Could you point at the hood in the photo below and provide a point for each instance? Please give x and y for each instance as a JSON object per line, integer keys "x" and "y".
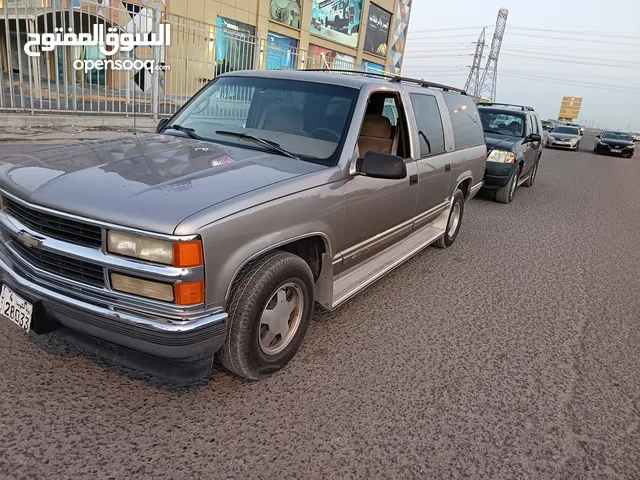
{"x": 612, "y": 142}
{"x": 501, "y": 142}
{"x": 151, "y": 182}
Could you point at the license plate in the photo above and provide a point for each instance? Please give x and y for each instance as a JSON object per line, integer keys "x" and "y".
{"x": 615, "y": 150}
{"x": 15, "y": 308}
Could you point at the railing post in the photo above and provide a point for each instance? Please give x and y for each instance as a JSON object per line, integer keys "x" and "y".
{"x": 74, "y": 93}
{"x": 257, "y": 51}
{"x": 155, "y": 75}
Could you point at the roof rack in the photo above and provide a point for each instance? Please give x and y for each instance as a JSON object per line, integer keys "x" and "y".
{"x": 393, "y": 79}
{"x": 521, "y": 107}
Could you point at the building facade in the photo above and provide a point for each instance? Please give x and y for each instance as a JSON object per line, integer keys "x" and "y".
{"x": 208, "y": 37}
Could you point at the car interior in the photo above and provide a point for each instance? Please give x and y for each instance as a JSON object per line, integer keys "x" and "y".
{"x": 383, "y": 131}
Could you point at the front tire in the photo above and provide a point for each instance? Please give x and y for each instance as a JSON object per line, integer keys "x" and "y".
{"x": 505, "y": 194}
{"x": 454, "y": 223}
{"x": 270, "y": 308}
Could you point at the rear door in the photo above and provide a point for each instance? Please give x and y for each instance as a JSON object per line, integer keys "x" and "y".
{"x": 434, "y": 162}
{"x": 530, "y": 147}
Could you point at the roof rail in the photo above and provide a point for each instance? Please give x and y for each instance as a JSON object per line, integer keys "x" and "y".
{"x": 392, "y": 78}
{"x": 521, "y": 107}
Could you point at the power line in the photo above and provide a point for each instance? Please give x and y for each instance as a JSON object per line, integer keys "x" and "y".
{"x": 558, "y": 60}
{"x": 570, "y": 57}
{"x": 604, "y": 86}
{"x": 571, "y": 75}
{"x": 576, "y": 81}
{"x": 569, "y": 49}
{"x": 581, "y": 40}
{"x": 579, "y": 32}
{"x": 427, "y": 30}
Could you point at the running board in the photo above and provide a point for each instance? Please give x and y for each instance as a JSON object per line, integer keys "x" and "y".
{"x": 353, "y": 281}
{"x": 522, "y": 180}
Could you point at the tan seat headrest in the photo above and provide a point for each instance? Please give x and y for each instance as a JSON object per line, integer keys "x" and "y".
{"x": 376, "y": 126}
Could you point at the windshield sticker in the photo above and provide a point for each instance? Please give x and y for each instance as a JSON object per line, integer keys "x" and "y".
{"x": 222, "y": 161}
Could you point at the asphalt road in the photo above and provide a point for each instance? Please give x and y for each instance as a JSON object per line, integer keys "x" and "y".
{"x": 514, "y": 354}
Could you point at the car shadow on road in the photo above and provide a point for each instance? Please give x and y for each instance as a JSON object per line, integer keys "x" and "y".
{"x": 65, "y": 343}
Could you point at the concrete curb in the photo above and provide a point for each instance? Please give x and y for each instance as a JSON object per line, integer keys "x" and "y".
{"x": 86, "y": 121}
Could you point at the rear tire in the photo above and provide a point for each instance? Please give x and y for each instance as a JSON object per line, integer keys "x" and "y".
{"x": 532, "y": 178}
{"x": 505, "y": 194}
{"x": 270, "y": 308}
{"x": 454, "y": 223}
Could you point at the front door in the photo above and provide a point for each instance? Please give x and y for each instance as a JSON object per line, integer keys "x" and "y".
{"x": 379, "y": 212}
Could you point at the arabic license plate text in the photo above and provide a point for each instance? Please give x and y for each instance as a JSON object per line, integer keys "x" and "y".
{"x": 15, "y": 308}
{"x": 615, "y": 150}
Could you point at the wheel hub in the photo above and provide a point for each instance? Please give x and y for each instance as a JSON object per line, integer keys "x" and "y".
{"x": 281, "y": 318}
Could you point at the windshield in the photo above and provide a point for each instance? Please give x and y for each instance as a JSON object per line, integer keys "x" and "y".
{"x": 567, "y": 130}
{"x": 309, "y": 120}
{"x": 502, "y": 123}
{"x": 617, "y": 136}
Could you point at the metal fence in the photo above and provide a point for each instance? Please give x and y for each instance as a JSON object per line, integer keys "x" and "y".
{"x": 68, "y": 77}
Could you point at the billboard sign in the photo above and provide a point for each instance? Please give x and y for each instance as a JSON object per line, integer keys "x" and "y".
{"x": 372, "y": 67}
{"x": 288, "y": 12}
{"x": 337, "y": 20}
{"x": 320, "y": 57}
{"x": 282, "y": 52}
{"x": 570, "y": 108}
{"x": 235, "y": 45}
{"x": 377, "y": 32}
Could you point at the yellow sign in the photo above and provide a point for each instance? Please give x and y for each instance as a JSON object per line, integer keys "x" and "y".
{"x": 570, "y": 108}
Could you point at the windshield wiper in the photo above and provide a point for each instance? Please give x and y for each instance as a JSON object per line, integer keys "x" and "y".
{"x": 493, "y": 131}
{"x": 189, "y": 132}
{"x": 273, "y": 146}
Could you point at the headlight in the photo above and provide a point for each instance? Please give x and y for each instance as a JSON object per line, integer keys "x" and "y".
{"x": 179, "y": 254}
{"x": 573, "y": 140}
{"x": 501, "y": 156}
{"x": 551, "y": 137}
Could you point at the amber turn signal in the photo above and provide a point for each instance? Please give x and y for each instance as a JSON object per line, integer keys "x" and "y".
{"x": 188, "y": 254}
{"x": 189, "y": 293}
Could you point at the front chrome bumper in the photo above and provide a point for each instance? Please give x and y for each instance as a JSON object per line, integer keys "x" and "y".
{"x": 183, "y": 341}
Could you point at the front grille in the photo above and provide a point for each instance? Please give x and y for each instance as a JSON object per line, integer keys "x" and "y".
{"x": 56, "y": 227}
{"x": 66, "y": 267}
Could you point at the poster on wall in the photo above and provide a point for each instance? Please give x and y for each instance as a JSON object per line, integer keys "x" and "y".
{"x": 281, "y": 52}
{"x": 235, "y": 45}
{"x": 320, "y": 57}
{"x": 372, "y": 67}
{"x": 337, "y": 20}
{"x": 288, "y": 12}
{"x": 377, "y": 32}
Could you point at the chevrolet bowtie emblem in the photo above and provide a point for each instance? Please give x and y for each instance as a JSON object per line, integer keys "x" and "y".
{"x": 29, "y": 240}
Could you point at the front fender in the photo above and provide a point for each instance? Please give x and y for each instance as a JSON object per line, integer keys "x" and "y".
{"x": 231, "y": 242}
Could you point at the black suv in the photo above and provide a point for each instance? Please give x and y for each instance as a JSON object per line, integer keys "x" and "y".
{"x": 513, "y": 134}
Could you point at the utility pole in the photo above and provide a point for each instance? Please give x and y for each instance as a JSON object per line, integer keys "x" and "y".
{"x": 473, "y": 82}
{"x": 490, "y": 76}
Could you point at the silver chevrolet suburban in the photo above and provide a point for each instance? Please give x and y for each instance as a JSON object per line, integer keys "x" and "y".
{"x": 267, "y": 192}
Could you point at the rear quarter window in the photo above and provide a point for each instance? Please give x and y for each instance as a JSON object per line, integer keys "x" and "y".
{"x": 465, "y": 120}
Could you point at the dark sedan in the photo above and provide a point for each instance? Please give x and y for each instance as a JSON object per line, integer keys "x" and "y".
{"x": 615, "y": 143}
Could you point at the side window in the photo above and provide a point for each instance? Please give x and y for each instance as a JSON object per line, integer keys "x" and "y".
{"x": 429, "y": 124}
{"x": 467, "y": 127}
{"x": 378, "y": 133}
{"x": 390, "y": 111}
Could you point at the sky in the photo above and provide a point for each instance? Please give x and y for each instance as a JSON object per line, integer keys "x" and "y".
{"x": 592, "y": 51}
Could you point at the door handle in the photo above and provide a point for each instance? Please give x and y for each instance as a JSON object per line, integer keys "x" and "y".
{"x": 447, "y": 167}
{"x": 413, "y": 180}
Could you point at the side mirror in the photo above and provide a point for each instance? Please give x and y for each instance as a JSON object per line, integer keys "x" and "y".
{"x": 161, "y": 124}
{"x": 382, "y": 165}
{"x": 598, "y": 136}
{"x": 535, "y": 137}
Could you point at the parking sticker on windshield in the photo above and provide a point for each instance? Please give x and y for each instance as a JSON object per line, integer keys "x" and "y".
{"x": 221, "y": 161}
